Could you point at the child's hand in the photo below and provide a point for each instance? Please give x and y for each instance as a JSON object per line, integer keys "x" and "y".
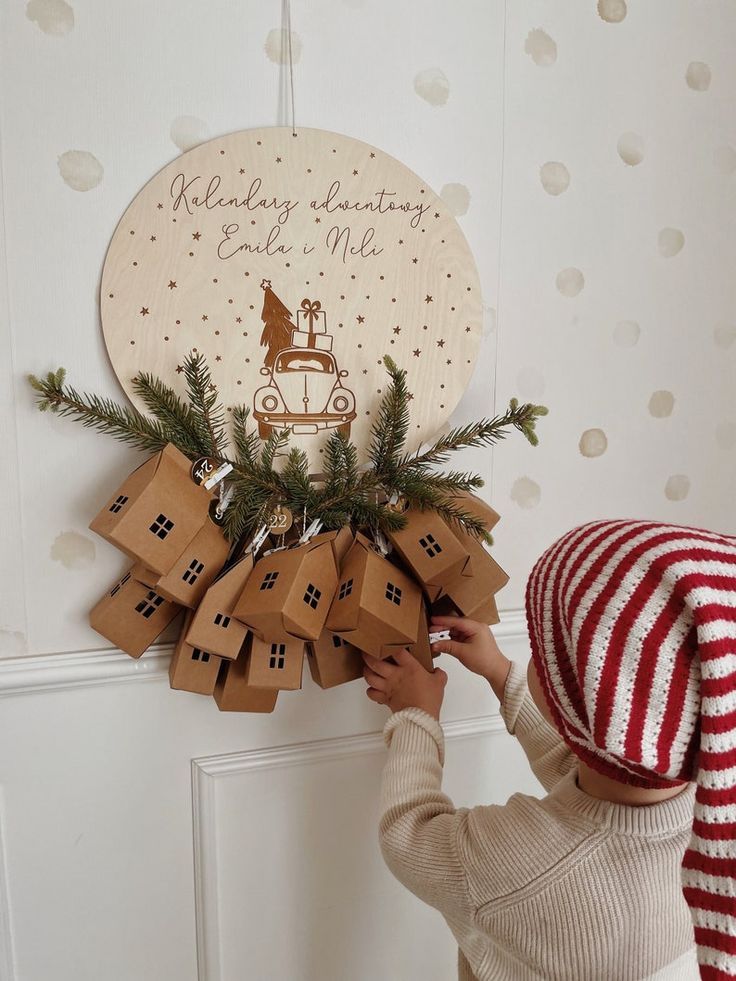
{"x": 405, "y": 684}
{"x": 473, "y": 645}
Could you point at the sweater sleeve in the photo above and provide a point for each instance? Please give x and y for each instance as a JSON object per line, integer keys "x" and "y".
{"x": 547, "y": 752}
{"x": 419, "y": 825}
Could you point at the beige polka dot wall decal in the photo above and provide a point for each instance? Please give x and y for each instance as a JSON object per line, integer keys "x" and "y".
{"x": 593, "y": 442}
{"x": 286, "y": 261}
{"x": 52, "y": 16}
{"x": 541, "y": 48}
{"x": 697, "y": 76}
{"x": 677, "y": 487}
{"x": 555, "y": 177}
{"x": 724, "y": 159}
{"x": 570, "y": 281}
{"x": 626, "y": 333}
{"x": 72, "y": 550}
{"x": 661, "y": 404}
{"x": 457, "y": 198}
{"x": 612, "y": 11}
{"x": 80, "y": 170}
{"x": 630, "y": 148}
{"x": 726, "y": 435}
{"x": 530, "y": 383}
{"x": 526, "y": 492}
{"x": 724, "y": 335}
{"x": 433, "y": 86}
{"x": 277, "y": 46}
{"x": 188, "y": 131}
{"x": 670, "y": 241}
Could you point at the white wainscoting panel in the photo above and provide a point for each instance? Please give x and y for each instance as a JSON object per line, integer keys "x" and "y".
{"x": 290, "y": 883}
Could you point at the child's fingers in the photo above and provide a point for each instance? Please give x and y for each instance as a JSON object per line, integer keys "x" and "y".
{"x": 376, "y": 696}
{"x": 404, "y": 658}
{"x": 452, "y": 647}
{"x": 468, "y": 627}
{"x": 378, "y": 666}
{"x": 375, "y": 681}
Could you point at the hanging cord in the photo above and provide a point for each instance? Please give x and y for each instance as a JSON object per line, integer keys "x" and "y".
{"x": 286, "y": 17}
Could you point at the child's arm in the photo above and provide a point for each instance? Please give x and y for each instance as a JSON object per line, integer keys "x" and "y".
{"x": 548, "y": 755}
{"x": 420, "y": 829}
{"x": 474, "y": 645}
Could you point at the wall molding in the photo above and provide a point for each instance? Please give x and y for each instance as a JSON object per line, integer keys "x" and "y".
{"x": 206, "y": 771}
{"x": 81, "y": 669}
{"x": 7, "y": 956}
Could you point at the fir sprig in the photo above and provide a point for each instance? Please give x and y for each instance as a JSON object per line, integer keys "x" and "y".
{"x": 266, "y": 472}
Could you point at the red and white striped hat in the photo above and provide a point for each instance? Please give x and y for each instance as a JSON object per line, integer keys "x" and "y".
{"x": 633, "y": 634}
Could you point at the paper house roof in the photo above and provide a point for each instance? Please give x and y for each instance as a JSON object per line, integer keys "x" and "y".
{"x": 156, "y": 512}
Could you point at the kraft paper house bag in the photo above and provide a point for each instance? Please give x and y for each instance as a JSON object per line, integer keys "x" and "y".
{"x": 233, "y": 694}
{"x": 274, "y": 664}
{"x": 156, "y": 512}
{"x": 190, "y": 668}
{"x": 333, "y": 661}
{"x": 131, "y": 616}
{"x": 214, "y": 627}
{"x": 429, "y": 548}
{"x": 194, "y": 570}
{"x": 376, "y": 606}
{"x": 422, "y": 650}
{"x": 290, "y": 590}
{"x": 470, "y": 592}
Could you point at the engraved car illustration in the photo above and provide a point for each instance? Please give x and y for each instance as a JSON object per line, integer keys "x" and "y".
{"x": 304, "y": 393}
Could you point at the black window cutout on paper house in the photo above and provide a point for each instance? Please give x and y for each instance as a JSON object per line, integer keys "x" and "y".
{"x": 221, "y": 620}
{"x": 430, "y": 545}
{"x": 161, "y": 526}
{"x": 118, "y": 586}
{"x": 278, "y": 656}
{"x": 346, "y": 589}
{"x": 198, "y": 655}
{"x": 269, "y": 579}
{"x": 119, "y": 503}
{"x": 194, "y": 571}
{"x": 393, "y": 593}
{"x": 337, "y": 641}
{"x": 312, "y": 595}
{"x": 148, "y": 606}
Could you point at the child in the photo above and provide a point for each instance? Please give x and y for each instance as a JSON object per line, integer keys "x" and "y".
{"x": 630, "y": 694}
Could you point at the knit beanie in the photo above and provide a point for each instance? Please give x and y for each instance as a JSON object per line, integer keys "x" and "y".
{"x": 633, "y": 635}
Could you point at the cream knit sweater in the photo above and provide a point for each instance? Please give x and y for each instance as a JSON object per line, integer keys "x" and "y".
{"x": 567, "y": 887}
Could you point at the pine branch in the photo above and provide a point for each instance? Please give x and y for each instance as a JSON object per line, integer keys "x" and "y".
{"x": 247, "y": 442}
{"x": 272, "y": 447}
{"x": 182, "y": 425}
{"x": 203, "y": 398}
{"x": 389, "y": 431}
{"x": 95, "y": 412}
{"x": 294, "y": 476}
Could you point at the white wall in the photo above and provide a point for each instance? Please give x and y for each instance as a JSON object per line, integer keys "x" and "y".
{"x": 97, "y": 815}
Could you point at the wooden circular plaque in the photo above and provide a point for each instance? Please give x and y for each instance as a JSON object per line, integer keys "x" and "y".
{"x": 294, "y": 264}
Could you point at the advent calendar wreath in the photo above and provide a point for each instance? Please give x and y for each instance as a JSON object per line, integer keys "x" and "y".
{"x": 305, "y": 511}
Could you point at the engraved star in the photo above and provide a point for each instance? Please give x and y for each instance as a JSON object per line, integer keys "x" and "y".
{"x": 317, "y": 220}
{"x": 440, "y": 343}
{"x": 278, "y": 160}
{"x": 218, "y": 358}
{"x": 355, "y": 173}
{"x": 153, "y": 238}
{"x": 212, "y": 388}
{"x": 360, "y": 319}
{"x": 242, "y": 170}
{"x": 265, "y": 284}
{"x": 417, "y": 352}
{"x": 401, "y": 241}
{"x": 159, "y": 206}
{"x": 467, "y": 330}
{"x": 365, "y": 371}
{"x": 144, "y": 311}
{"x": 372, "y": 155}
{"x": 196, "y": 236}
{"x": 415, "y": 260}
{"x": 436, "y": 214}
{"x": 238, "y": 320}
{"x": 172, "y": 284}
{"x": 397, "y": 329}
{"x": 428, "y": 298}
{"x": 449, "y": 361}
{"x": 204, "y": 316}
{"x": 179, "y": 369}
{"x": 409, "y": 396}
